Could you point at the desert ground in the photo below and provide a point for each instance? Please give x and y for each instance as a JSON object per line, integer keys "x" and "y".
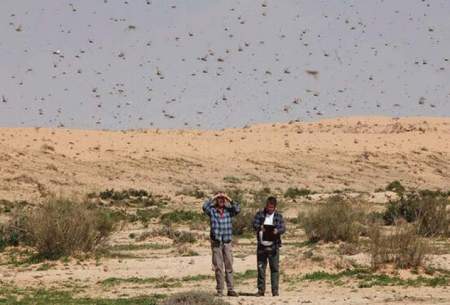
{"x": 356, "y": 157}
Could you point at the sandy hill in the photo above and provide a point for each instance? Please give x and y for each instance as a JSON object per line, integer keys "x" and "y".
{"x": 345, "y": 153}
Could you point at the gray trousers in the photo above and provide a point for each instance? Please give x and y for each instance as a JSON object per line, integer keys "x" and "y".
{"x": 222, "y": 260}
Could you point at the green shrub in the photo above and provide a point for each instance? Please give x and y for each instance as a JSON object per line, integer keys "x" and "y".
{"x": 182, "y": 216}
{"x": 403, "y": 247}
{"x": 333, "y": 220}
{"x": 194, "y": 298}
{"x": 61, "y": 227}
{"x": 294, "y": 192}
{"x": 427, "y": 209}
{"x": 396, "y": 187}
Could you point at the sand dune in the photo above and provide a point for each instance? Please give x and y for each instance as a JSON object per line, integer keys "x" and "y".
{"x": 359, "y": 153}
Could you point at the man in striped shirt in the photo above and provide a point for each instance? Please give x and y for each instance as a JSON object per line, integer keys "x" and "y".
{"x": 221, "y": 209}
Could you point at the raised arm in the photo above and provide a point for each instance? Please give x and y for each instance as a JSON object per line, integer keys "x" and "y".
{"x": 207, "y": 206}
{"x": 234, "y": 208}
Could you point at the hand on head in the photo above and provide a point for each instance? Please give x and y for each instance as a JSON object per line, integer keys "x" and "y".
{"x": 222, "y": 199}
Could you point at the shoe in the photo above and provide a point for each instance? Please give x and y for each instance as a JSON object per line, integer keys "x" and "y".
{"x": 275, "y": 294}
{"x": 260, "y": 294}
{"x": 232, "y": 293}
{"x": 219, "y": 294}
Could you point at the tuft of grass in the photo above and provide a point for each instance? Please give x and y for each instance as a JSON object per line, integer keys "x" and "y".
{"x": 294, "y": 192}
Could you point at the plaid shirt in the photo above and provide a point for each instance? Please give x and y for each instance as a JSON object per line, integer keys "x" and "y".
{"x": 221, "y": 224}
{"x": 278, "y": 222}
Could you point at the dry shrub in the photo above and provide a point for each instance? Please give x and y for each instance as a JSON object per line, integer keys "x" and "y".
{"x": 332, "y": 221}
{"x": 194, "y": 298}
{"x": 61, "y": 227}
{"x": 403, "y": 247}
{"x": 243, "y": 223}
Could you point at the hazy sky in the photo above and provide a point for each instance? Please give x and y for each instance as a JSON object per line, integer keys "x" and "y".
{"x": 214, "y": 64}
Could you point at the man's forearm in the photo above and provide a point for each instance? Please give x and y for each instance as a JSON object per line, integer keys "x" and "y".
{"x": 207, "y": 206}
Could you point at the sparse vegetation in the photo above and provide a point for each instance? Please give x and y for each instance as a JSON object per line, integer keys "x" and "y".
{"x": 366, "y": 278}
{"x": 129, "y": 198}
{"x": 194, "y": 298}
{"x": 192, "y": 192}
{"x": 20, "y": 296}
{"x": 232, "y": 179}
{"x": 334, "y": 220}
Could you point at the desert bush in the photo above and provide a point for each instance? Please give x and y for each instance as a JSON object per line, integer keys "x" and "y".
{"x": 182, "y": 216}
{"x": 334, "y": 220}
{"x": 294, "y": 192}
{"x": 403, "y": 247}
{"x": 427, "y": 209}
{"x": 61, "y": 227}
{"x": 193, "y": 298}
{"x": 396, "y": 187}
{"x": 243, "y": 222}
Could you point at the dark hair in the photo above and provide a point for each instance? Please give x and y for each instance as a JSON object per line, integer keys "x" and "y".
{"x": 272, "y": 200}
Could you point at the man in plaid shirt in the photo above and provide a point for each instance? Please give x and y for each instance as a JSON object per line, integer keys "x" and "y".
{"x": 221, "y": 209}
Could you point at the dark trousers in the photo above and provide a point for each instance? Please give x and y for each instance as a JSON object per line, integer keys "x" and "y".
{"x": 271, "y": 255}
